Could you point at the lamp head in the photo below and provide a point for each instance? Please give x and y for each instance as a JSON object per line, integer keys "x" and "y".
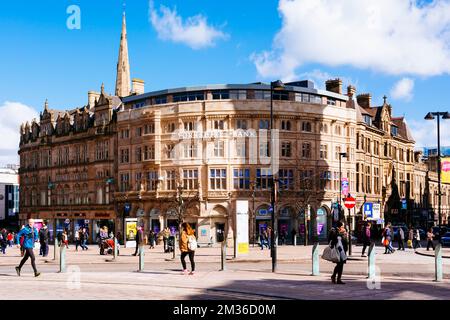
{"x": 446, "y": 115}
{"x": 429, "y": 116}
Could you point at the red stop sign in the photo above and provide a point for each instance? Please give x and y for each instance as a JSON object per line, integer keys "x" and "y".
{"x": 349, "y": 202}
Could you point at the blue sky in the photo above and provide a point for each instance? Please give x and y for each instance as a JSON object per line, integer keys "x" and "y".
{"x": 403, "y": 52}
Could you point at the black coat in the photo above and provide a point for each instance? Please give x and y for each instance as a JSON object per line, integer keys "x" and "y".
{"x": 333, "y": 238}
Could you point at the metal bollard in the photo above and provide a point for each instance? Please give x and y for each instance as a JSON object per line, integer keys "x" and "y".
{"x": 116, "y": 249}
{"x": 438, "y": 263}
{"x": 223, "y": 251}
{"x": 315, "y": 260}
{"x": 62, "y": 260}
{"x": 141, "y": 258}
{"x": 371, "y": 262}
{"x": 55, "y": 250}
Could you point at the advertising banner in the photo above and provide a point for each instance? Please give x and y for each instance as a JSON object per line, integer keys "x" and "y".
{"x": 242, "y": 227}
{"x": 376, "y": 211}
{"x": 445, "y": 170}
{"x": 130, "y": 232}
{"x": 345, "y": 186}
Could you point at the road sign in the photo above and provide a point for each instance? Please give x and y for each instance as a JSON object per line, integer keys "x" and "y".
{"x": 368, "y": 210}
{"x": 404, "y": 204}
{"x": 349, "y": 202}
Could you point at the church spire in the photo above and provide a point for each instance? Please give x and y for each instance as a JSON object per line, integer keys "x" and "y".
{"x": 123, "y": 65}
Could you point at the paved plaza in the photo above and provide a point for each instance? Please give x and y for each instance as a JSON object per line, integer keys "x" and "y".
{"x": 402, "y": 275}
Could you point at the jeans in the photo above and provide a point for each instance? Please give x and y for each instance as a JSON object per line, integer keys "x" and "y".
{"x": 365, "y": 245}
{"x": 401, "y": 244}
{"x": 191, "y": 258}
{"x": 338, "y": 270}
{"x": 44, "y": 249}
{"x": 83, "y": 245}
{"x": 430, "y": 243}
{"x": 28, "y": 254}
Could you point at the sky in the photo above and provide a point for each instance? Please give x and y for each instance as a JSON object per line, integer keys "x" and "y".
{"x": 60, "y": 49}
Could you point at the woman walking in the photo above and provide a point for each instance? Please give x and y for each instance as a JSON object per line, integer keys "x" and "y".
{"x": 338, "y": 240}
{"x": 188, "y": 244}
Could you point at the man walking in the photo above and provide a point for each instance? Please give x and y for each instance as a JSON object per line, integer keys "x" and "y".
{"x": 43, "y": 239}
{"x": 166, "y": 235}
{"x": 30, "y": 236}
{"x": 83, "y": 239}
{"x": 401, "y": 239}
{"x": 139, "y": 239}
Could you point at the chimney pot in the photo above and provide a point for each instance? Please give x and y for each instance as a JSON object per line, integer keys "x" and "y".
{"x": 334, "y": 85}
{"x": 364, "y": 100}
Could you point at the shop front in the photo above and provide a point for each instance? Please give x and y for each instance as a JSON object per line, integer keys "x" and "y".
{"x": 263, "y": 221}
{"x": 285, "y": 225}
{"x": 155, "y": 221}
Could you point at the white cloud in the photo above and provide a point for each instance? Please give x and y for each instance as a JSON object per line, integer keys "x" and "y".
{"x": 403, "y": 89}
{"x": 13, "y": 114}
{"x": 193, "y": 32}
{"x": 392, "y": 37}
{"x": 425, "y": 133}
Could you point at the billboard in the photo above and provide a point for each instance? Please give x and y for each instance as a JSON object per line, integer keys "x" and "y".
{"x": 130, "y": 232}
{"x": 242, "y": 226}
{"x": 445, "y": 170}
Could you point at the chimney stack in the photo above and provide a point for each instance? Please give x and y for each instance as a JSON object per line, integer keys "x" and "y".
{"x": 138, "y": 86}
{"x": 334, "y": 85}
{"x": 92, "y": 97}
{"x": 364, "y": 100}
{"x": 351, "y": 90}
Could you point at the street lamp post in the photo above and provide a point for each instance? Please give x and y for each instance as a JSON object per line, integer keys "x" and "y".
{"x": 275, "y": 85}
{"x": 445, "y": 116}
{"x": 349, "y": 222}
{"x": 341, "y": 154}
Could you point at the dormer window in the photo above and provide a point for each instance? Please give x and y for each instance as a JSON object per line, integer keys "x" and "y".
{"x": 368, "y": 120}
{"x": 394, "y": 131}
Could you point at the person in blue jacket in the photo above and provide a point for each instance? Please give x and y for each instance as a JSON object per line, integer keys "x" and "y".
{"x": 30, "y": 237}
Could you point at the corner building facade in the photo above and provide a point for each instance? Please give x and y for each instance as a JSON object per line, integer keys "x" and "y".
{"x": 141, "y": 154}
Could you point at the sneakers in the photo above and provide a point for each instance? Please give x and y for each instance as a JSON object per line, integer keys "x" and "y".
{"x": 340, "y": 282}
{"x": 191, "y": 273}
{"x": 18, "y": 271}
{"x": 37, "y": 274}
{"x": 333, "y": 280}
{"x": 184, "y": 272}
{"x": 363, "y": 255}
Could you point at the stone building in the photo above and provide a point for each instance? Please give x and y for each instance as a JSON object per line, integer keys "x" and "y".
{"x": 146, "y": 154}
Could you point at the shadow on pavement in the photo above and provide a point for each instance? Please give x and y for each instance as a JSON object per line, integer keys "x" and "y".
{"x": 353, "y": 289}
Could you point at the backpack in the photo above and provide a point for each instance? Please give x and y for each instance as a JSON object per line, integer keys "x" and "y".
{"x": 192, "y": 243}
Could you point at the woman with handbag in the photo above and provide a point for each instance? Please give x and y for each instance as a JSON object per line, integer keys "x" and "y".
{"x": 338, "y": 240}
